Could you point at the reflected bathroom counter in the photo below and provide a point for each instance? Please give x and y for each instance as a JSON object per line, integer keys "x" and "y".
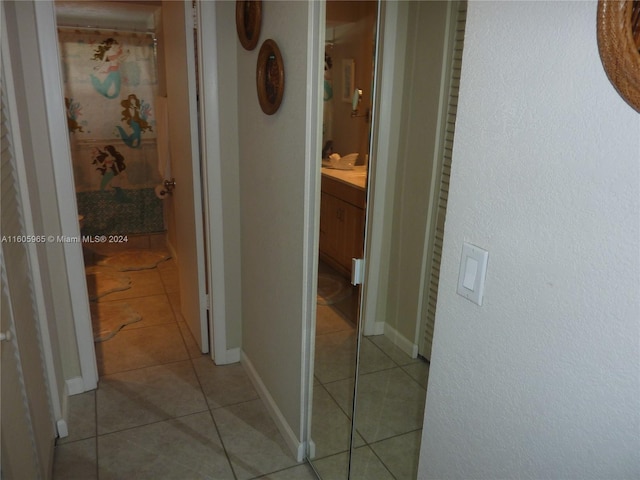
{"x": 342, "y": 213}
{"x": 356, "y": 177}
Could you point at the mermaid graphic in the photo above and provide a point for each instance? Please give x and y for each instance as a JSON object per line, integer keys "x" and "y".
{"x": 73, "y": 112}
{"x": 111, "y": 165}
{"x": 135, "y": 113}
{"x": 111, "y": 55}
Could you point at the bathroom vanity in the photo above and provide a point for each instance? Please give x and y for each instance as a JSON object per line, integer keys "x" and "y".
{"x": 342, "y": 216}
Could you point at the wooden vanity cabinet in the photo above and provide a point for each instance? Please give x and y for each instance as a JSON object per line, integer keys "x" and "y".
{"x": 342, "y": 216}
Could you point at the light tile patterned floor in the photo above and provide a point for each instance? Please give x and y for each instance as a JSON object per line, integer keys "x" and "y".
{"x": 391, "y": 397}
{"x": 165, "y": 411}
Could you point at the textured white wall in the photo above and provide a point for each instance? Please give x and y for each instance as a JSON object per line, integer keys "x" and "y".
{"x": 543, "y": 380}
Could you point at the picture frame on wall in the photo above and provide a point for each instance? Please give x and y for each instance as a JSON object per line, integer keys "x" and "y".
{"x": 270, "y": 77}
{"x": 248, "y": 22}
{"x": 348, "y": 79}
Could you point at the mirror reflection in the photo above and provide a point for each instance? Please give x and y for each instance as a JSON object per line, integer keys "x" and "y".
{"x": 390, "y": 342}
{"x": 356, "y": 99}
{"x": 349, "y": 55}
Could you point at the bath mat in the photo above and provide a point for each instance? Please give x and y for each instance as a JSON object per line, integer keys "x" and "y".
{"x": 109, "y": 318}
{"x": 332, "y": 289}
{"x": 134, "y": 260}
{"x": 102, "y": 281}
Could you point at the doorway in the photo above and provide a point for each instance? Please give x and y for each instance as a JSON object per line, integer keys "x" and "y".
{"x": 130, "y": 38}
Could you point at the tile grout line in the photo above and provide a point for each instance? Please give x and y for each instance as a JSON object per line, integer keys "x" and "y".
{"x": 126, "y": 429}
{"x": 215, "y": 425}
{"x": 142, "y": 368}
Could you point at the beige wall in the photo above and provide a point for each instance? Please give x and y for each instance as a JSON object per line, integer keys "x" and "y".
{"x": 272, "y": 209}
{"x": 414, "y": 161}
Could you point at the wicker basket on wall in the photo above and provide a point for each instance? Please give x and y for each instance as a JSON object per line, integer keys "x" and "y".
{"x": 619, "y": 45}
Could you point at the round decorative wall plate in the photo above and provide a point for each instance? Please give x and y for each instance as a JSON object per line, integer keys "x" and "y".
{"x": 270, "y": 77}
{"x": 249, "y": 22}
{"x": 619, "y": 45}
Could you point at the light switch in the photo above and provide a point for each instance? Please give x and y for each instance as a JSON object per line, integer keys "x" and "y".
{"x": 473, "y": 267}
{"x": 470, "y": 272}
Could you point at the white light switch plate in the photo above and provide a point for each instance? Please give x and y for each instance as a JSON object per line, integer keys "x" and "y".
{"x": 473, "y": 269}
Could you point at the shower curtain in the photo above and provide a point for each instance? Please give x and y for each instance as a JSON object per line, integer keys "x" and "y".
{"x": 110, "y": 83}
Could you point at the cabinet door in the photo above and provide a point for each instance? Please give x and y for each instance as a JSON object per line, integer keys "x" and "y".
{"x": 352, "y": 238}
{"x": 330, "y": 226}
{"x": 341, "y": 231}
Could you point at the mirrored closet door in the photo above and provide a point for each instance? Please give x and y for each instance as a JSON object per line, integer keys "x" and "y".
{"x": 372, "y": 355}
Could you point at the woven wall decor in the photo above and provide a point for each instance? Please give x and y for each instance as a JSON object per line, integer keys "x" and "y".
{"x": 248, "y": 22}
{"x": 270, "y": 77}
{"x": 619, "y": 45}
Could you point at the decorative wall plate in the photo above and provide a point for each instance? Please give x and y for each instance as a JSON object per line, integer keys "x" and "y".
{"x": 248, "y": 22}
{"x": 270, "y": 77}
{"x": 619, "y": 45}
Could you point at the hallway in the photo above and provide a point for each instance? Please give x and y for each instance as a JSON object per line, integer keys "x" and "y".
{"x": 164, "y": 410}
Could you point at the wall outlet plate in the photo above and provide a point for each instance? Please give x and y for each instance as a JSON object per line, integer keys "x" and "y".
{"x": 472, "y": 273}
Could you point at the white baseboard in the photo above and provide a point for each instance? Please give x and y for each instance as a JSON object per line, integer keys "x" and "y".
{"x": 63, "y": 429}
{"x": 312, "y": 449}
{"x": 378, "y": 328}
{"x": 233, "y": 355}
{"x": 295, "y": 445}
{"x": 402, "y": 342}
{"x": 61, "y": 423}
{"x": 374, "y": 328}
{"x": 75, "y": 386}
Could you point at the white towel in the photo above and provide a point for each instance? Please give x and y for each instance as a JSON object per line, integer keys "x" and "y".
{"x": 162, "y": 134}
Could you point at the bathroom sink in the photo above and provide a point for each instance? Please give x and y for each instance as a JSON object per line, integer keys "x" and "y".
{"x": 356, "y": 177}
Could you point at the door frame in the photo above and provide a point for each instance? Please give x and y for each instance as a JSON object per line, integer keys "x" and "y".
{"x": 382, "y": 170}
{"x": 68, "y": 209}
{"x": 186, "y": 246}
{"x": 212, "y": 175}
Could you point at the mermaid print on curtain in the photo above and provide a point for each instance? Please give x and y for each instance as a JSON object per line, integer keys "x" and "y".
{"x": 110, "y": 81}
{"x": 110, "y": 55}
{"x": 135, "y": 115}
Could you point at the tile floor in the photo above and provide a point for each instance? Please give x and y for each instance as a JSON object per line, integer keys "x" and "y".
{"x": 391, "y": 397}
{"x": 165, "y": 411}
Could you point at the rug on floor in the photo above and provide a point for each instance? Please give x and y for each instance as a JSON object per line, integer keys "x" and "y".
{"x": 109, "y": 318}
{"x": 134, "y": 260}
{"x": 332, "y": 289}
{"x": 102, "y": 281}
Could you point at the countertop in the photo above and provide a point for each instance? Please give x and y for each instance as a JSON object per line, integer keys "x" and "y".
{"x": 356, "y": 177}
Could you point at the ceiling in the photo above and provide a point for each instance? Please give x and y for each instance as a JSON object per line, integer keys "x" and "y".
{"x": 120, "y": 15}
